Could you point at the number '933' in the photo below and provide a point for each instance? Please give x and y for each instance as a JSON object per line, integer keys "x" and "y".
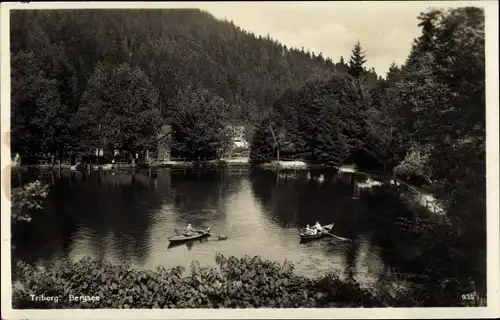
{"x": 469, "y": 296}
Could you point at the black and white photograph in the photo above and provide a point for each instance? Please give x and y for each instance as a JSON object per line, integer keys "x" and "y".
{"x": 247, "y": 160}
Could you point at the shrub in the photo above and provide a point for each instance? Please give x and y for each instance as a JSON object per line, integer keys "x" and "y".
{"x": 415, "y": 164}
{"x": 236, "y": 283}
{"x": 248, "y": 282}
{"x": 26, "y": 200}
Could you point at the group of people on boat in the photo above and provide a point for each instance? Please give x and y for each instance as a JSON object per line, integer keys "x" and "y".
{"x": 314, "y": 229}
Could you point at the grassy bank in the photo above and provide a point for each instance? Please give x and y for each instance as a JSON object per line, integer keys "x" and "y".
{"x": 236, "y": 283}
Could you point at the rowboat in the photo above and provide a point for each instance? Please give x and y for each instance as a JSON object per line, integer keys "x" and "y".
{"x": 189, "y": 244}
{"x": 318, "y": 235}
{"x": 182, "y": 238}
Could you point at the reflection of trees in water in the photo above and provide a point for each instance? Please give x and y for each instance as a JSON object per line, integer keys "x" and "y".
{"x": 201, "y": 197}
{"x": 304, "y": 199}
{"x": 104, "y": 202}
{"x": 351, "y": 253}
{"x": 412, "y": 243}
{"x": 387, "y": 211}
{"x": 266, "y": 186}
{"x": 398, "y": 247}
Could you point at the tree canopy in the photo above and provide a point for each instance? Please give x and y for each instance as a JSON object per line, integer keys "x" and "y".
{"x": 119, "y": 110}
{"x": 199, "y": 125}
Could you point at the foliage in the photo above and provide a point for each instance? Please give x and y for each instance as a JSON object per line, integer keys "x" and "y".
{"x": 199, "y": 125}
{"x": 440, "y": 98}
{"x": 26, "y": 200}
{"x": 416, "y": 163}
{"x": 119, "y": 110}
{"x": 262, "y": 146}
{"x": 442, "y": 84}
{"x": 437, "y": 98}
{"x": 60, "y": 56}
{"x": 247, "y": 282}
{"x": 329, "y": 121}
{"x": 40, "y": 114}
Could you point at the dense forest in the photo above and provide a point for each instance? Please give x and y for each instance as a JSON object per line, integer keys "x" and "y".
{"x": 432, "y": 103}
{"x": 86, "y": 79}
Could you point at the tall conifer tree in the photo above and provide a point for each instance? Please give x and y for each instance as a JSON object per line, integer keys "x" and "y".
{"x": 357, "y": 61}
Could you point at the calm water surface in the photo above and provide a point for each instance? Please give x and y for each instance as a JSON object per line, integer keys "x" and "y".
{"x": 120, "y": 216}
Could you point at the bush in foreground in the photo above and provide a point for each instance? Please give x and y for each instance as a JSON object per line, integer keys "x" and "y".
{"x": 26, "y": 200}
{"x": 236, "y": 283}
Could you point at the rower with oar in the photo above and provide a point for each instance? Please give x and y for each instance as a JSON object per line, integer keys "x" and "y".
{"x": 318, "y": 227}
{"x": 190, "y": 231}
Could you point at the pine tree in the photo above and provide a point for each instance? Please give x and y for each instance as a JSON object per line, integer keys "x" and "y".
{"x": 357, "y": 61}
{"x": 394, "y": 72}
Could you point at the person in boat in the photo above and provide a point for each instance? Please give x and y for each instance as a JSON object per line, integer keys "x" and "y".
{"x": 310, "y": 231}
{"x": 318, "y": 227}
{"x": 189, "y": 230}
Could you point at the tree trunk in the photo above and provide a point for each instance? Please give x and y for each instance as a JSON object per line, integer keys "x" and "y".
{"x": 277, "y": 176}
{"x": 132, "y": 154}
{"x": 60, "y": 160}
{"x": 19, "y": 177}
{"x": 276, "y": 145}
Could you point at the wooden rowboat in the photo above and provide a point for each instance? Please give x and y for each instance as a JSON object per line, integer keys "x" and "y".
{"x": 318, "y": 235}
{"x": 182, "y": 238}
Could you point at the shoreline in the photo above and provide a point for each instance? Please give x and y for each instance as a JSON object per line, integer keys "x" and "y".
{"x": 225, "y": 162}
{"x": 422, "y": 198}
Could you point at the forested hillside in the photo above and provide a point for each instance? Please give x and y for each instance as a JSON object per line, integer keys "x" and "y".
{"x": 434, "y": 102}
{"x": 65, "y": 63}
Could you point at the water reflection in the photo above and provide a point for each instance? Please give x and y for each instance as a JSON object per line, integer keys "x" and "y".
{"x": 128, "y": 216}
{"x": 200, "y": 198}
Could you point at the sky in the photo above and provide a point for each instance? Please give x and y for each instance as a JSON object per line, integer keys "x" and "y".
{"x": 385, "y": 29}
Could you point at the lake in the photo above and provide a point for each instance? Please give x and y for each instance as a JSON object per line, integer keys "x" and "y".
{"x": 124, "y": 216}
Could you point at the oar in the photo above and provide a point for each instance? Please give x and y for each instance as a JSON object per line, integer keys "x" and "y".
{"x": 219, "y": 237}
{"x": 341, "y": 238}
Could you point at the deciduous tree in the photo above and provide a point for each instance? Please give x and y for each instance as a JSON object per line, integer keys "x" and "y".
{"x": 120, "y": 110}
{"x": 200, "y": 125}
